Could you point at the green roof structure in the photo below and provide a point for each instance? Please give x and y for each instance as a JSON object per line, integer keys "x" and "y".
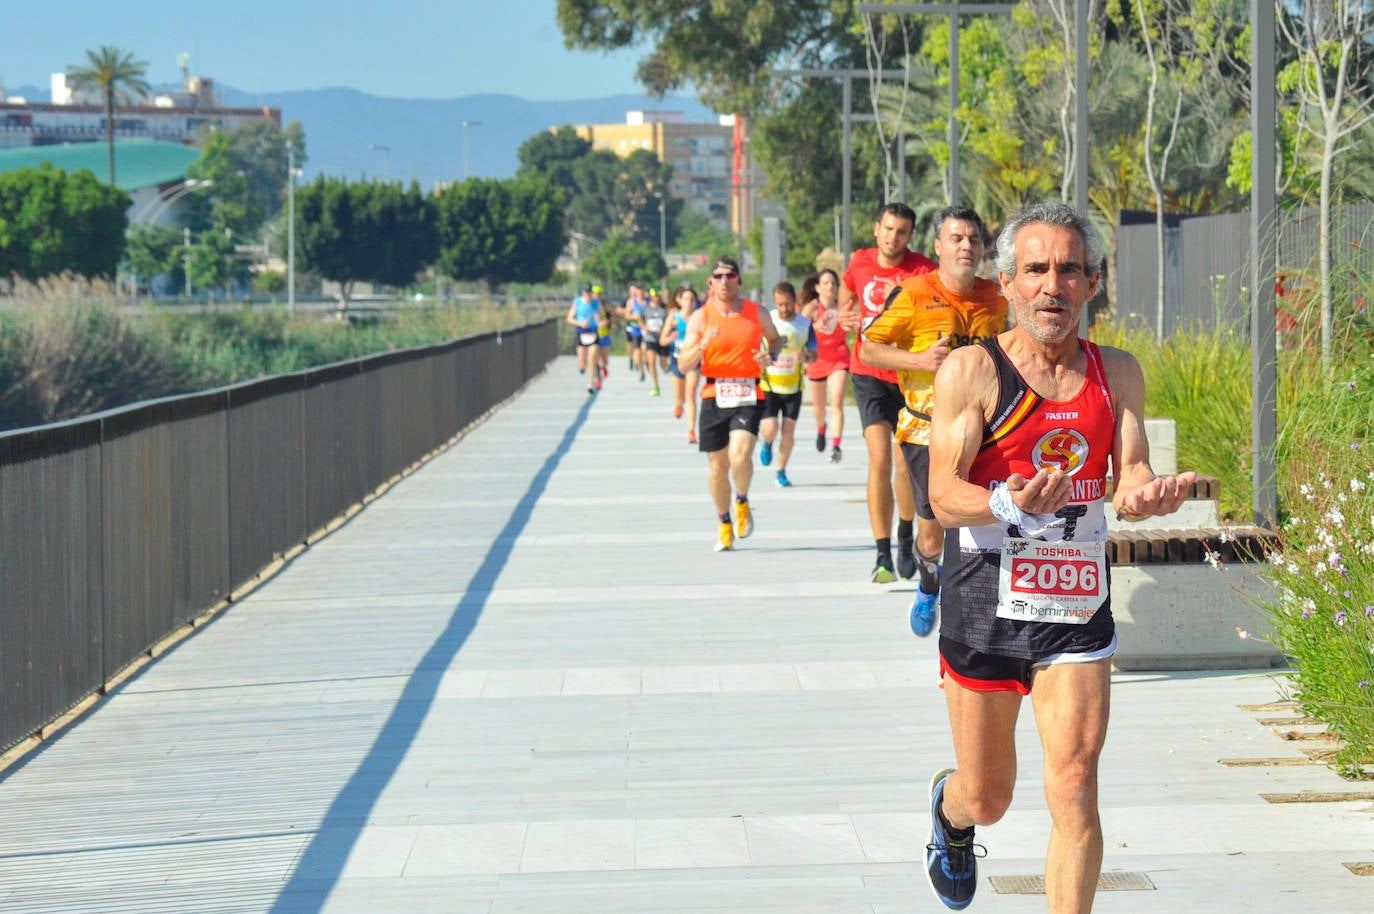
{"x": 138, "y": 163}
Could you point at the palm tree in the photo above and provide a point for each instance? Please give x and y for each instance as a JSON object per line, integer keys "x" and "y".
{"x": 117, "y": 76}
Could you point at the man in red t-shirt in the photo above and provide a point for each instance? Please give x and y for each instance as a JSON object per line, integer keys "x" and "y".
{"x": 872, "y": 275}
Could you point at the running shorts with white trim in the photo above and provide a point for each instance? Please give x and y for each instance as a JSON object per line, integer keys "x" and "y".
{"x": 980, "y": 672}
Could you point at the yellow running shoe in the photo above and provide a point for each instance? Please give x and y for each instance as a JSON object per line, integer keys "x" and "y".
{"x": 726, "y": 541}
{"x": 744, "y": 520}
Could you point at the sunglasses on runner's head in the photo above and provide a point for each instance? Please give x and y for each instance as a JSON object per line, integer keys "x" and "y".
{"x": 724, "y": 276}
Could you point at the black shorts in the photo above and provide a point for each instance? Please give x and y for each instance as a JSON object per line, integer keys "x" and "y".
{"x": 586, "y": 338}
{"x": 715, "y": 424}
{"x": 657, "y": 348}
{"x": 786, "y": 405}
{"x": 918, "y": 468}
{"x": 981, "y": 672}
{"x": 878, "y": 400}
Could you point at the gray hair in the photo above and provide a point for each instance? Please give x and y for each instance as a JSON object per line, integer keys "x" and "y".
{"x": 1049, "y": 214}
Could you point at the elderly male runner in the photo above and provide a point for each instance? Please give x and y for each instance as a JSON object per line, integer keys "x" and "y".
{"x": 726, "y": 337}
{"x": 1027, "y": 427}
{"x": 870, "y": 278}
{"x": 926, "y": 317}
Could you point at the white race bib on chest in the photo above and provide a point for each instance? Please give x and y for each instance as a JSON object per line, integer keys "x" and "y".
{"x": 735, "y": 392}
{"x": 1051, "y": 582}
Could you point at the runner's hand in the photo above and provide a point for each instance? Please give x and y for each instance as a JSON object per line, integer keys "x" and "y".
{"x": 1044, "y": 493}
{"x": 937, "y": 353}
{"x": 1161, "y": 495}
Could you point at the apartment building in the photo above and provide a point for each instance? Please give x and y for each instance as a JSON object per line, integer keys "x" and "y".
{"x": 713, "y": 170}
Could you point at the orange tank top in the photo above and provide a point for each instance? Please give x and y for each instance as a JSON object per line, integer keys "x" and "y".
{"x": 731, "y": 353}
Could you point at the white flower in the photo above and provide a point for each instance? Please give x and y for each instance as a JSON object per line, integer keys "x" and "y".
{"x": 1306, "y": 490}
{"x": 1226, "y": 536}
{"x": 1356, "y": 485}
{"x": 1212, "y": 558}
{"x": 1334, "y": 517}
{"x": 1277, "y": 560}
{"x": 1242, "y": 634}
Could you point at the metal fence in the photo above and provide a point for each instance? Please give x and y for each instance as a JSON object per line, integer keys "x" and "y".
{"x": 120, "y": 527}
{"x": 1207, "y": 264}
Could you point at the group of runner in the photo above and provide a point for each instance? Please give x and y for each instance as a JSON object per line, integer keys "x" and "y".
{"x": 1014, "y": 463}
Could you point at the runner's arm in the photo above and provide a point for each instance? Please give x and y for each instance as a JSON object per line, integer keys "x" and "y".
{"x": 692, "y": 344}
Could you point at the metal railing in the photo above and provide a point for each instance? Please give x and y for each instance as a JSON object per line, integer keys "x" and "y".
{"x": 121, "y": 527}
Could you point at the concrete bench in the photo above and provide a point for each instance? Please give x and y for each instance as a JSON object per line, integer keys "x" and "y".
{"x": 1173, "y": 610}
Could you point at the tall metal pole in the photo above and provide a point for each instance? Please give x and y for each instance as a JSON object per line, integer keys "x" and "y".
{"x": 291, "y": 227}
{"x": 467, "y": 164}
{"x": 847, "y": 176}
{"x": 662, "y": 227}
{"x": 1080, "y": 97}
{"x": 1263, "y": 260}
{"x": 953, "y": 105}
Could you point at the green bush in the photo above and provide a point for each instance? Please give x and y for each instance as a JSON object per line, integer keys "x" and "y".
{"x": 68, "y": 348}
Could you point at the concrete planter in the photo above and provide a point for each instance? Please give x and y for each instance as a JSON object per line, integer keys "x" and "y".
{"x": 1184, "y": 617}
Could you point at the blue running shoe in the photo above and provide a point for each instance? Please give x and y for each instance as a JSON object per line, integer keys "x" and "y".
{"x": 783, "y": 481}
{"x": 951, "y": 857}
{"x": 923, "y": 613}
{"x": 766, "y": 453}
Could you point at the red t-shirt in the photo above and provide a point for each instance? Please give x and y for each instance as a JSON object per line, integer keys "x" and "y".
{"x": 869, "y": 281}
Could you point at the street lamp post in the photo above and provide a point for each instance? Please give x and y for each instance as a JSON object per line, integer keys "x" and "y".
{"x": 291, "y": 227}
{"x": 386, "y": 149}
{"x": 467, "y": 163}
{"x": 662, "y": 227}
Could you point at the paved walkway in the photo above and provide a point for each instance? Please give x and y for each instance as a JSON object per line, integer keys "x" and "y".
{"x": 522, "y": 681}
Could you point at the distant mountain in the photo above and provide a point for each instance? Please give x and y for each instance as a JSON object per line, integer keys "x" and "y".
{"x": 425, "y": 136}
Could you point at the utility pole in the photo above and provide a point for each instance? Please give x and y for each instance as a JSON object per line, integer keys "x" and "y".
{"x": 290, "y": 227}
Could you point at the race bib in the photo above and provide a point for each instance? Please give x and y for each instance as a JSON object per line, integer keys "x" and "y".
{"x": 586, "y": 337}
{"x": 784, "y": 364}
{"x": 1051, "y": 582}
{"x": 735, "y": 392}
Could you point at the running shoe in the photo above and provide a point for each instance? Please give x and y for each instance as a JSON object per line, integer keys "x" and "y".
{"x": 906, "y": 559}
{"x": 782, "y": 480}
{"x": 882, "y": 570}
{"x": 725, "y": 537}
{"x": 677, "y": 412}
{"x": 591, "y": 389}
{"x": 691, "y": 436}
{"x": 923, "y": 612}
{"x": 951, "y": 857}
{"x": 641, "y": 377}
{"x": 598, "y": 383}
{"x": 766, "y": 453}
{"x": 744, "y": 520}
{"x": 835, "y": 455}
{"x": 605, "y": 371}
{"x": 654, "y": 392}
{"x": 820, "y": 440}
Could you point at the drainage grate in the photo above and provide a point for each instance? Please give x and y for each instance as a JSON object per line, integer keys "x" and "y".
{"x": 1106, "y": 882}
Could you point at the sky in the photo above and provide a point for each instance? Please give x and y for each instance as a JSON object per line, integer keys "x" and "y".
{"x": 395, "y": 48}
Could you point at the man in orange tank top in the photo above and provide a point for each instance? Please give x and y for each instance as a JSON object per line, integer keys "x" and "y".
{"x": 733, "y": 341}
{"x": 870, "y": 277}
{"x": 924, "y": 318}
{"x": 1028, "y": 428}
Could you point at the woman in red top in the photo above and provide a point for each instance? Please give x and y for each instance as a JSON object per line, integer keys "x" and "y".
{"x": 828, "y": 373}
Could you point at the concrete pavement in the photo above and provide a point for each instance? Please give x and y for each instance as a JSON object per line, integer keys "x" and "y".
{"x": 521, "y": 681}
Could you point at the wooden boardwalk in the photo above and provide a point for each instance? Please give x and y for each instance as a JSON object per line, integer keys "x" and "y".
{"x": 522, "y": 681}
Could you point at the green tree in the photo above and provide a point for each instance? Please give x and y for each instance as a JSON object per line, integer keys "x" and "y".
{"x": 213, "y": 264}
{"x": 52, "y": 221}
{"x": 151, "y": 251}
{"x": 115, "y": 74}
{"x": 368, "y": 231}
{"x": 500, "y": 231}
{"x": 248, "y": 167}
{"x": 620, "y": 260}
{"x": 553, "y": 155}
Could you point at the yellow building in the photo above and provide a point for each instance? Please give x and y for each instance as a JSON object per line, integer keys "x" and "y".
{"x": 703, "y": 160}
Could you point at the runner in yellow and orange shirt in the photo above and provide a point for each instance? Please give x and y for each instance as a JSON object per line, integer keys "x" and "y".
{"x": 926, "y": 317}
